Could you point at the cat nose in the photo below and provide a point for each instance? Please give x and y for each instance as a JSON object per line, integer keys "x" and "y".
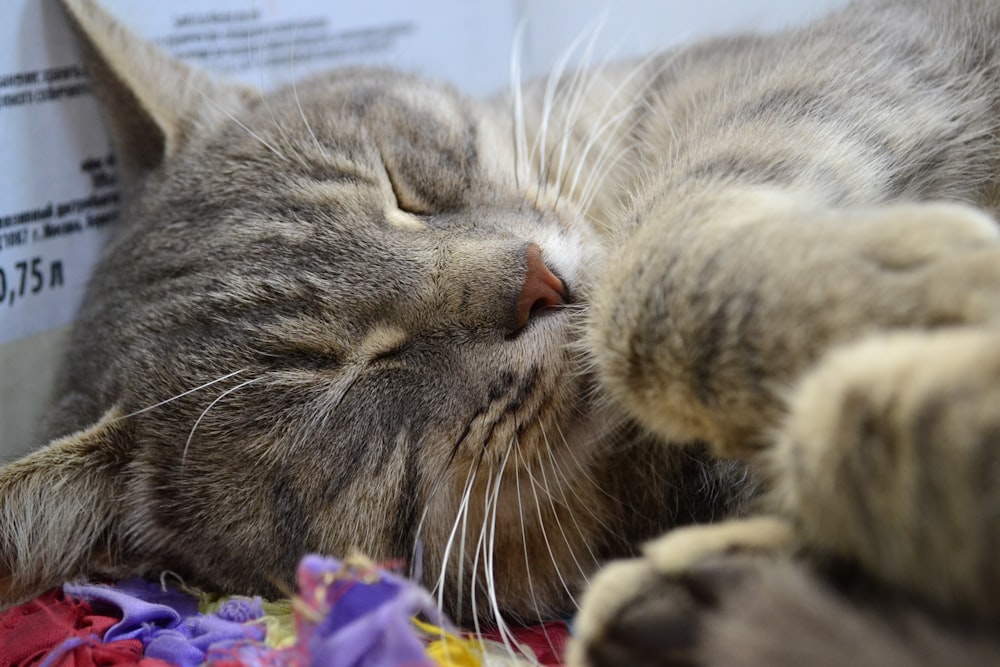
{"x": 541, "y": 288}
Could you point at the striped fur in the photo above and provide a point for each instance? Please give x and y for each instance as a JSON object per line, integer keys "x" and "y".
{"x": 777, "y": 250}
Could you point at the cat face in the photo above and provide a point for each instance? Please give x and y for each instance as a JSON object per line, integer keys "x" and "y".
{"x": 346, "y": 261}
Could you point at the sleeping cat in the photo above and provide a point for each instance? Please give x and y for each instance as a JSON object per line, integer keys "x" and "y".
{"x": 508, "y": 340}
{"x": 334, "y": 321}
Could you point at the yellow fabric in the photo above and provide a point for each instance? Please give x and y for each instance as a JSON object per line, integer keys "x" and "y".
{"x": 279, "y": 623}
{"x": 450, "y": 650}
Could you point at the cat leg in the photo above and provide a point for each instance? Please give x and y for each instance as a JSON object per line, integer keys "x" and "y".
{"x": 721, "y": 298}
{"x": 61, "y": 510}
{"x": 890, "y": 459}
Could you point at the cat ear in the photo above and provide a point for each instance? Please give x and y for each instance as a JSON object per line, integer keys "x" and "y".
{"x": 58, "y": 509}
{"x": 153, "y": 103}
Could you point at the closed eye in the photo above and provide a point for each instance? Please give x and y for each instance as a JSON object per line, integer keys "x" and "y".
{"x": 388, "y": 354}
{"x": 407, "y": 201}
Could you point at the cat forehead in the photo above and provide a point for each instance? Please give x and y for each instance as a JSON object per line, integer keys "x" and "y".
{"x": 364, "y": 137}
{"x": 362, "y": 103}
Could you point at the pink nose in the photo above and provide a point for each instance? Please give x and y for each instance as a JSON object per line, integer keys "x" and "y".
{"x": 541, "y": 288}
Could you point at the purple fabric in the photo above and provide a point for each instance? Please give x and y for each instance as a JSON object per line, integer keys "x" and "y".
{"x": 139, "y": 616}
{"x": 350, "y": 616}
{"x": 364, "y": 617}
{"x": 167, "y": 621}
{"x": 241, "y": 610}
{"x": 259, "y": 655}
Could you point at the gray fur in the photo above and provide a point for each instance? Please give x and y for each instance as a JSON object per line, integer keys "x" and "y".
{"x": 310, "y": 333}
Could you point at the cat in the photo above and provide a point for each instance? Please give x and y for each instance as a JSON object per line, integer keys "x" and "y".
{"x": 331, "y": 321}
{"x": 754, "y": 278}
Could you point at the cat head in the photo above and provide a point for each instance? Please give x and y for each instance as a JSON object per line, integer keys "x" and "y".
{"x": 331, "y": 319}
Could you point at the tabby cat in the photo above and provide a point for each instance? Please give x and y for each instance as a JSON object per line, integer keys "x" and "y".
{"x": 507, "y": 340}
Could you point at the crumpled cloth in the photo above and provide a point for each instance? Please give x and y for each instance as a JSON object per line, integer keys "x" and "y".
{"x": 55, "y": 630}
{"x": 350, "y": 614}
{"x": 165, "y": 620}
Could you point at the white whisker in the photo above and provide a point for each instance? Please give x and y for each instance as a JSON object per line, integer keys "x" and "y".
{"x": 524, "y": 542}
{"x": 556, "y": 470}
{"x": 462, "y": 509}
{"x": 244, "y": 127}
{"x": 550, "y": 88}
{"x": 506, "y": 635}
{"x": 582, "y": 81}
{"x": 210, "y": 406}
{"x": 603, "y": 122}
{"x": 545, "y": 536}
{"x": 559, "y": 523}
{"x": 517, "y": 108}
{"x": 182, "y": 394}
{"x": 298, "y": 102}
{"x": 475, "y": 561}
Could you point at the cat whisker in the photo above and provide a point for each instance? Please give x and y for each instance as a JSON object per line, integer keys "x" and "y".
{"x": 266, "y": 101}
{"x": 524, "y": 542}
{"x": 210, "y": 406}
{"x": 475, "y": 562}
{"x": 599, "y": 172}
{"x": 298, "y": 102}
{"x": 517, "y": 105}
{"x": 583, "y": 81}
{"x": 555, "y": 515}
{"x": 557, "y": 471}
{"x": 600, "y": 169}
{"x": 545, "y": 536}
{"x": 610, "y": 124}
{"x": 463, "y": 510}
{"x": 438, "y": 485}
{"x": 582, "y": 470}
{"x": 243, "y": 126}
{"x": 506, "y": 635}
{"x": 182, "y": 394}
{"x": 290, "y": 144}
{"x": 463, "y": 535}
{"x": 550, "y": 89}
{"x": 483, "y": 553}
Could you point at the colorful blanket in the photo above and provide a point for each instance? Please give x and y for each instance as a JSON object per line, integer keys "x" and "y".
{"x": 345, "y": 615}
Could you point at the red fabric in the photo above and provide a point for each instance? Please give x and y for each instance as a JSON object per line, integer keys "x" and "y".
{"x": 91, "y": 653}
{"x": 547, "y": 640}
{"x": 52, "y": 622}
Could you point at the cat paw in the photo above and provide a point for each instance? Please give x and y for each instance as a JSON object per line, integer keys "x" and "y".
{"x": 890, "y": 459}
{"x": 647, "y": 611}
{"x": 703, "y": 324}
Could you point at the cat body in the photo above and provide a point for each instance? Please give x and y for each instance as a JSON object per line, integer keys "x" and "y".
{"x": 364, "y": 312}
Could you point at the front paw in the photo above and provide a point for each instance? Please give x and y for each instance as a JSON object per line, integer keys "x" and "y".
{"x": 648, "y": 611}
{"x": 701, "y": 327}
